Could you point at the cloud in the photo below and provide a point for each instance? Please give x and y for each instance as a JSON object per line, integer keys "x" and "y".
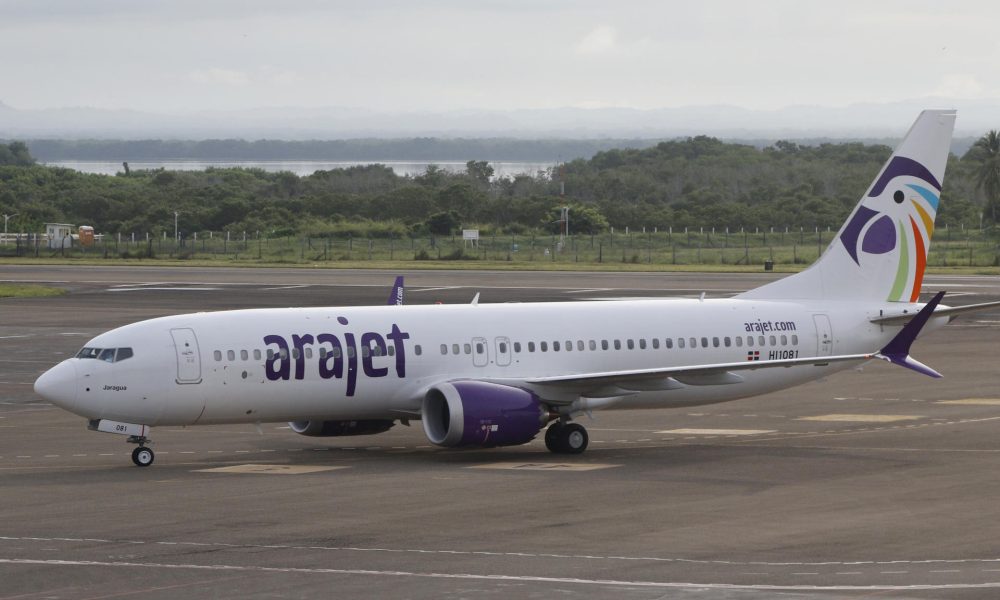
{"x": 959, "y": 85}
{"x": 601, "y": 40}
{"x": 215, "y": 75}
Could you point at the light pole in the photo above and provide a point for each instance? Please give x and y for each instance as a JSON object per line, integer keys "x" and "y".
{"x": 175, "y": 225}
{"x": 7, "y": 218}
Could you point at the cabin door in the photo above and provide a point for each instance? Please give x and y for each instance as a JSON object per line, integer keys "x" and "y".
{"x": 188, "y": 357}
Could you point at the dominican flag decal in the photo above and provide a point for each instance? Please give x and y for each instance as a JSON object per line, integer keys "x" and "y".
{"x": 753, "y": 355}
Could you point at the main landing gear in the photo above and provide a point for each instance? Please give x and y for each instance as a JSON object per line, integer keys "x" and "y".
{"x": 566, "y": 438}
{"x": 141, "y": 456}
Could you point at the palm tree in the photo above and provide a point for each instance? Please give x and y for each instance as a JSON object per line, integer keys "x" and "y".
{"x": 987, "y": 149}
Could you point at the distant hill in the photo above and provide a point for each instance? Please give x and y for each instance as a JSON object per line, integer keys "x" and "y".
{"x": 858, "y": 121}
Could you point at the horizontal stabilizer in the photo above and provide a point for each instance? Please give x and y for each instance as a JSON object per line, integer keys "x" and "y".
{"x": 941, "y": 311}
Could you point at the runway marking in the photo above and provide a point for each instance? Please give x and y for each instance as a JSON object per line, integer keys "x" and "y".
{"x": 542, "y": 466}
{"x": 497, "y": 577}
{"x": 286, "y": 287}
{"x": 165, "y": 289}
{"x": 973, "y": 401}
{"x": 435, "y": 289}
{"x": 716, "y": 431}
{"x": 861, "y": 418}
{"x": 270, "y": 469}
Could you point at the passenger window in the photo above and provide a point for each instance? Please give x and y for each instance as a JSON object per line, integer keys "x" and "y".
{"x": 217, "y": 355}
{"x": 715, "y": 342}
{"x": 774, "y": 342}
{"x": 618, "y": 344}
{"x": 322, "y": 353}
{"x": 728, "y": 342}
{"x": 555, "y": 346}
{"x": 503, "y": 348}
{"x": 739, "y": 341}
{"x": 693, "y": 342}
{"x": 569, "y": 346}
{"x": 604, "y": 344}
{"x": 543, "y": 346}
{"x": 579, "y": 345}
{"x": 454, "y": 349}
{"x": 244, "y": 355}
{"x": 479, "y": 348}
{"x": 376, "y": 351}
{"x": 270, "y": 355}
{"x": 365, "y": 351}
{"x": 444, "y": 349}
{"x": 418, "y": 350}
{"x": 256, "y": 354}
{"x": 749, "y": 341}
{"x": 630, "y": 344}
{"x": 656, "y": 343}
{"x": 592, "y": 345}
{"x": 283, "y": 353}
{"x": 680, "y": 342}
{"x": 517, "y": 347}
{"x": 669, "y": 342}
{"x": 761, "y": 341}
{"x": 704, "y": 342}
{"x": 231, "y": 355}
{"x": 392, "y": 350}
{"x": 642, "y": 343}
{"x": 123, "y": 354}
{"x": 467, "y": 348}
{"x": 795, "y": 340}
{"x": 296, "y": 353}
{"x": 784, "y": 340}
{"x": 337, "y": 353}
{"x": 531, "y": 346}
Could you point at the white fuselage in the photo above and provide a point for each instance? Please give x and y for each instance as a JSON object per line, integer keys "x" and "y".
{"x": 208, "y": 368}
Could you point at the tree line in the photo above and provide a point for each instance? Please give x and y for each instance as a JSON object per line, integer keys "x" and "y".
{"x": 694, "y": 182}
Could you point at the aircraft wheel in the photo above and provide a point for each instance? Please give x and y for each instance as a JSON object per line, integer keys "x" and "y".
{"x": 142, "y": 456}
{"x": 574, "y": 438}
{"x": 552, "y": 437}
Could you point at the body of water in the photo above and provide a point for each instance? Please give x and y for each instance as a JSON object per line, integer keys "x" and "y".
{"x": 299, "y": 167}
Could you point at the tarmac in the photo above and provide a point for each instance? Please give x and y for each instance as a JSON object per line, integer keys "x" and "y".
{"x": 880, "y": 483}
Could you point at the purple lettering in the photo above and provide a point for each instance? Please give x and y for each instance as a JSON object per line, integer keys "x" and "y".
{"x": 277, "y": 365}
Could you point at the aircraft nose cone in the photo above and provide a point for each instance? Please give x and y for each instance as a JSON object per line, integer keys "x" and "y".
{"x": 58, "y": 385}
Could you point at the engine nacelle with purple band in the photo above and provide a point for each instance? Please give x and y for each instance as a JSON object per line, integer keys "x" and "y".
{"x": 476, "y": 413}
{"x": 341, "y": 428}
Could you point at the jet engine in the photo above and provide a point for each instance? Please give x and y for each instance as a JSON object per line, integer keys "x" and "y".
{"x": 476, "y": 413}
{"x": 341, "y": 428}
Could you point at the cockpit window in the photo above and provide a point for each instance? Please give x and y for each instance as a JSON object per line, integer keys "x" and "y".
{"x": 106, "y": 354}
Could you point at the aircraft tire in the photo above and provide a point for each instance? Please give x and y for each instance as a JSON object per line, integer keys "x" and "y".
{"x": 552, "y": 437}
{"x": 142, "y": 456}
{"x": 574, "y": 438}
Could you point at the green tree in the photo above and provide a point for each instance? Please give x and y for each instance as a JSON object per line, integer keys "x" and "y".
{"x": 987, "y": 151}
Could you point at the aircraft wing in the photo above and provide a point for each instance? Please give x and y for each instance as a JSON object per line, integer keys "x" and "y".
{"x": 609, "y": 384}
{"x": 566, "y": 388}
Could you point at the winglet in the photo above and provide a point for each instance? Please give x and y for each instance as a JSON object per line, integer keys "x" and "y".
{"x": 396, "y": 296}
{"x": 897, "y": 351}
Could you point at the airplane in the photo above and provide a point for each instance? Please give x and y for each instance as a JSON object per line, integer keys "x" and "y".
{"x": 490, "y": 375}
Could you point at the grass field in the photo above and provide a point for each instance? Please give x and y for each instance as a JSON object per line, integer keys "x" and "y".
{"x": 703, "y": 250}
{"x": 18, "y": 290}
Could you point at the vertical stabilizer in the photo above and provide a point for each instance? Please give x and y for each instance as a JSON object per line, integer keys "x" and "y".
{"x": 881, "y": 250}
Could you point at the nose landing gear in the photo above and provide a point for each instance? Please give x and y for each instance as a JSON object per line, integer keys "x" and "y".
{"x": 141, "y": 456}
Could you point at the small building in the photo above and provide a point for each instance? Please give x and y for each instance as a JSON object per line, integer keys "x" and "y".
{"x": 59, "y": 235}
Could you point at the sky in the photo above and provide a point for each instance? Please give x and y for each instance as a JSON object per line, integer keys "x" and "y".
{"x": 448, "y": 55}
